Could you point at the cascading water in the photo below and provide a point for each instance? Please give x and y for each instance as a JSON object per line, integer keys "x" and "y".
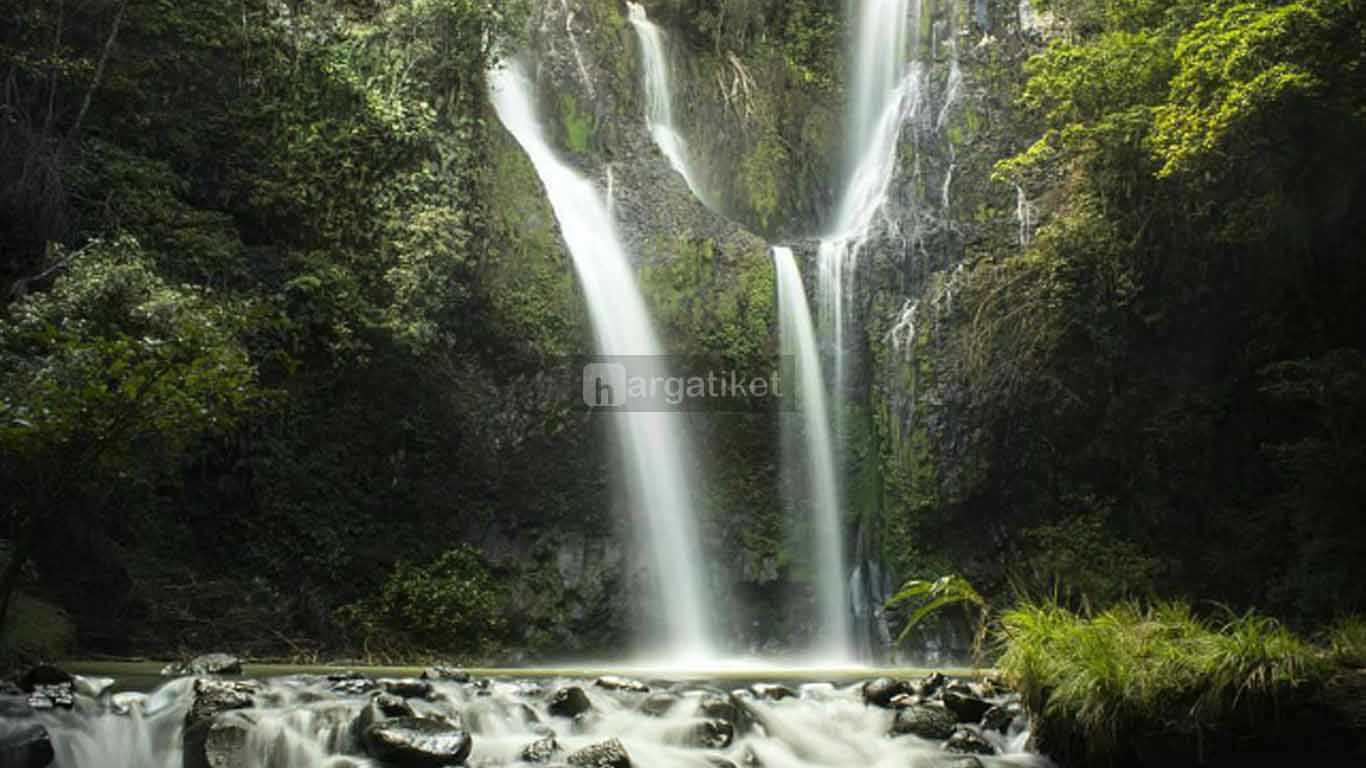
{"x": 314, "y": 721}
{"x": 654, "y": 444}
{"x": 799, "y": 342}
{"x": 659, "y": 111}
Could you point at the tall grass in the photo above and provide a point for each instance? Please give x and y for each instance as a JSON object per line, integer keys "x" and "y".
{"x": 1346, "y": 640}
{"x": 1133, "y": 667}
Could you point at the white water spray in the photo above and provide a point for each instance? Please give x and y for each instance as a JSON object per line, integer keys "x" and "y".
{"x": 654, "y": 444}
{"x": 799, "y": 342}
{"x": 659, "y": 111}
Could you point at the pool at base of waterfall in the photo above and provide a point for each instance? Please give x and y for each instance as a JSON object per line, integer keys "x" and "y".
{"x": 446, "y": 717}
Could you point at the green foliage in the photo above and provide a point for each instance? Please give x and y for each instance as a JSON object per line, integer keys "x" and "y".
{"x": 578, "y": 127}
{"x": 937, "y": 595}
{"x": 1082, "y": 557}
{"x": 1133, "y": 668}
{"x": 1346, "y": 639}
{"x": 35, "y": 631}
{"x": 449, "y": 605}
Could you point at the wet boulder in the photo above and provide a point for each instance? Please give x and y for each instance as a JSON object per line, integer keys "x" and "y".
{"x": 708, "y": 734}
{"x": 1000, "y": 717}
{"x": 614, "y": 683}
{"x": 968, "y": 742}
{"x": 931, "y": 684}
{"x": 212, "y": 697}
{"x": 954, "y": 761}
{"x": 925, "y": 721}
{"x": 607, "y": 754}
{"x": 880, "y": 692}
{"x": 24, "y": 745}
{"x": 208, "y": 664}
{"x": 381, "y": 707}
{"x": 407, "y": 687}
{"x": 965, "y": 707}
{"x": 446, "y": 674}
{"x": 772, "y": 691}
{"x": 417, "y": 742}
{"x": 658, "y": 704}
{"x": 48, "y": 687}
{"x": 224, "y": 743}
{"x": 714, "y": 705}
{"x": 350, "y": 684}
{"x": 542, "y": 750}
{"x": 569, "y": 702}
{"x": 43, "y": 674}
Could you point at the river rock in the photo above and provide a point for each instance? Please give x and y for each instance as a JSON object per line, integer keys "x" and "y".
{"x": 954, "y": 761}
{"x": 540, "y": 750}
{"x": 44, "y": 697}
{"x": 968, "y": 709}
{"x": 214, "y": 696}
{"x": 931, "y": 684}
{"x": 881, "y": 691}
{"x": 208, "y": 664}
{"x": 350, "y": 683}
{"x": 381, "y": 707}
{"x": 569, "y": 702}
{"x": 924, "y": 721}
{"x": 968, "y": 742}
{"x": 607, "y": 754}
{"x": 658, "y": 704}
{"x": 417, "y": 742}
{"x": 224, "y": 744}
{"x": 773, "y": 691}
{"x": 709, "y": 734}
{"x": 446, "y": 674}
{"x": 25, "y": 745}
{"x": 999, "y": 717}
{"x": 714, "y": 705}
{"x": 43, "y": 674}
{"x": 614, "y": 683}
{"x": 407, "y": 687}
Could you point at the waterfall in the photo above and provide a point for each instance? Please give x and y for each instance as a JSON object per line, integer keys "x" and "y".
{"x": 654, "y": 444}
{"x": 799, "y": 342}
{"x": 659, "y": 111}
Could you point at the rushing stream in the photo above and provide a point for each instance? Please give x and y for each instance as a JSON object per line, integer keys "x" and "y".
{"x": 303, "y": 721}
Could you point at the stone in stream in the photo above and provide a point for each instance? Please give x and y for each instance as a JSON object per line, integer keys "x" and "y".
{"x": 381, "y": 707}
{"x": 214, "y": 696}
{"x": 953, "y": 761}
{"x": 709, "y": 734}
{"x": 417, "y": 742}
{"x": 446, "y": 674}
{"x": 25, "y": 745}
{"x": 925, "y": 721}
{"x": 208, "y": 664}
{"x": 607, "y": 754}
{"x": 967, "y": 708}
{"x": 968, "y": 742}
{"x": 658, "y": 704}
{"x": 880, "y": 692}
{"x": 350, "y": 683}
{"x": 224, "y": 744}
{"x": 407, "y": 687}
{"x": 614, "y": 683}
{"x": 773, "y": 691}
{"x": 931, "y": 684}
{"x": 999, "y": 717}
{"x": 714, "y": 705}
{"x": 540, "y": 750}
{"x": 203, "y": 726}
{"x": 43, "y": 674}
{"x": 569, "y": 702}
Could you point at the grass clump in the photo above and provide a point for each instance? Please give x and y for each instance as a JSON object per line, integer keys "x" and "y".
{"x": 1346, "y": 641}
{"x": 1139, "y": 669}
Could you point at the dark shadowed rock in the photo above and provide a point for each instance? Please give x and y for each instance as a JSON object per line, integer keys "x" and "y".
{"x": 44, "y": 697}
{"x": 446, "y": 674}
{"x": 708, "y": 734}
{"x": 714, "y": 705}
{"x": 24, "y": 745}
{"x": 902, "y": 700}
{"x": 541, "y": 750}
{"x": 381, "y": 707}
{"x": 964, "y": 741}
{"x": 225, "y": 743}
{"x": 407, "y": 687}
{"x": 569, "y": 702}
{"x": 658, "y": 704}
{"x": 1000, "y": 717}
{"x": 43, "y": 674}
{"x": 607, "y": 754}
{"x": 212, "y": 699}
{"x": 208, "y": 664}
{"x": 773, "y": 691}
{"x": 417, "y": 742}
{"x": 924, "y": 721}
{"x": 968, "y": 709}
{"x": 881, "y": 691}
{"x": 350, "y": 683}
{"x": 614, "y": 683}
{"x": 931, "y": 684}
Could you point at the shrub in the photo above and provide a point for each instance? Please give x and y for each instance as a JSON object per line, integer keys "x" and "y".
{"x": 35, "y": 630}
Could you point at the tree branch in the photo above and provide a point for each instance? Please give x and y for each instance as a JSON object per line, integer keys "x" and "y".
{"x": 99, "y": 72}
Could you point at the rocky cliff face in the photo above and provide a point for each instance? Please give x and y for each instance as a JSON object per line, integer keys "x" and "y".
{"x": 760, "y": 102}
